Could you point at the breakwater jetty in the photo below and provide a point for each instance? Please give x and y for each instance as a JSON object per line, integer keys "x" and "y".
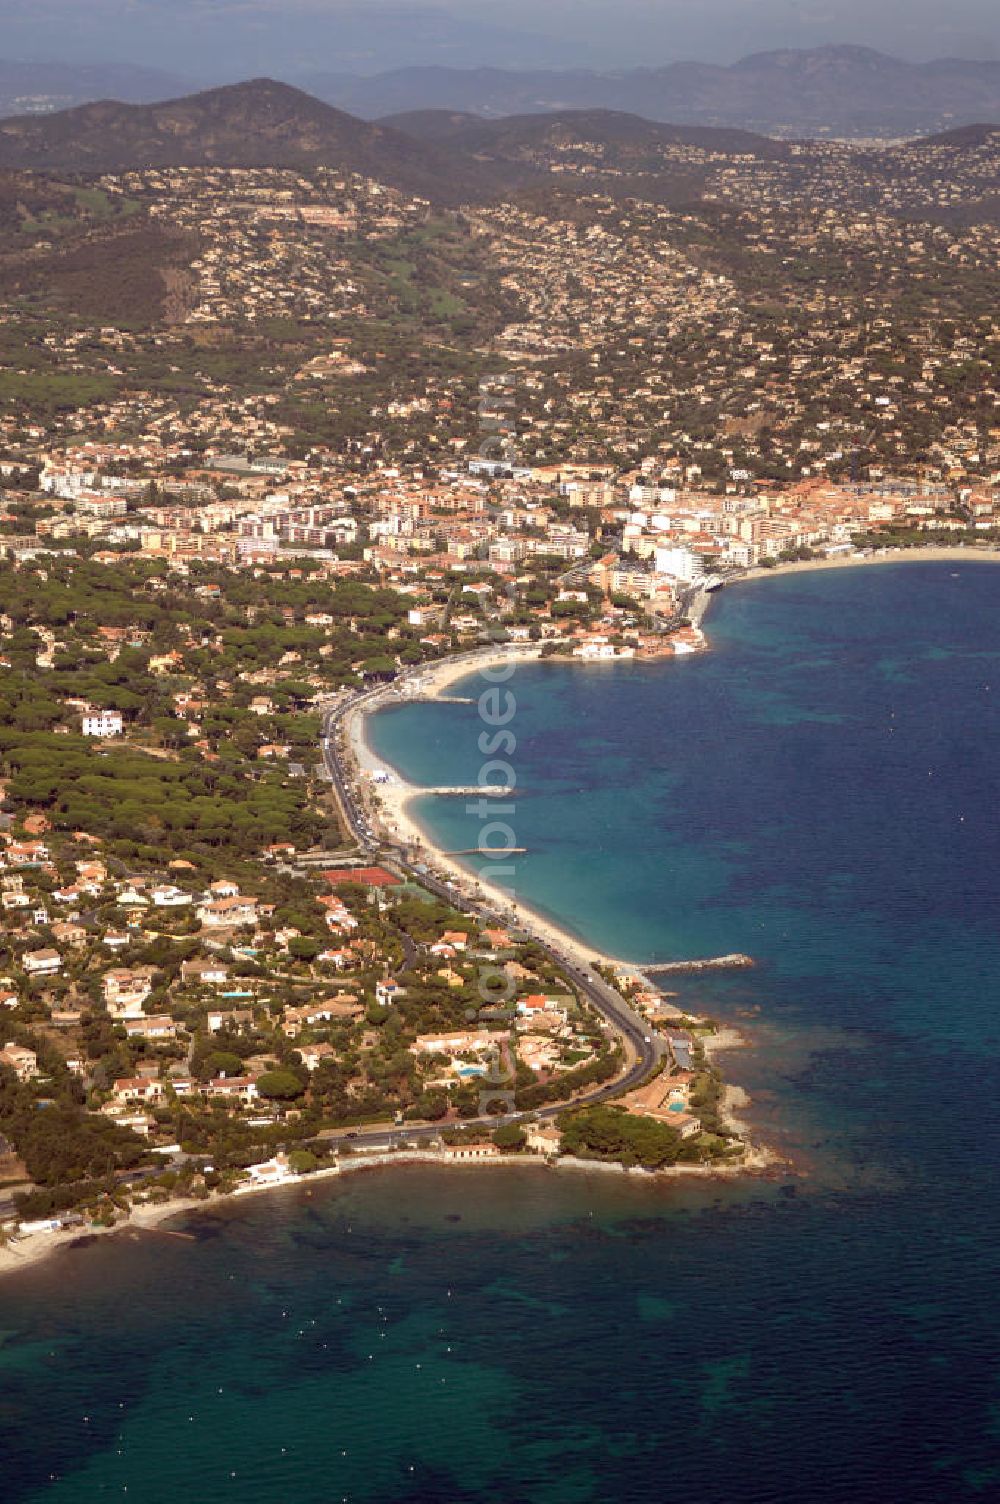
{"x": 735, "y": 962}
{"x": 489, "y": 851}
{"x": 419, "y": 697}
{"x": 470, "y": 791}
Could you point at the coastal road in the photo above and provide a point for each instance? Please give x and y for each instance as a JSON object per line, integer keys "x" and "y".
{"x": 644, "y": 1049}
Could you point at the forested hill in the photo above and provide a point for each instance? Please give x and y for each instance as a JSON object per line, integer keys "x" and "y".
{"x": 181, "y": 782}
{"x": 624, "y": 137}
{"x": 255, "y": 124}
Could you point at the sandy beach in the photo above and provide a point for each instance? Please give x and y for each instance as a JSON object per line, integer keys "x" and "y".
{"x": 390, "y": 804}
{"x": 22, "y": 1252}
{"x": 938, "y": 554}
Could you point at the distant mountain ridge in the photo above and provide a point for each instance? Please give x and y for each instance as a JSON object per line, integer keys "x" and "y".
{"x": 29, "y": 86}
{"x": 842, "y": 90}
{"x": 446, "y": 156}
{"x": 837, "y": 90}
{"x": 257, "y": 124}
{"x": 439, "y": 155}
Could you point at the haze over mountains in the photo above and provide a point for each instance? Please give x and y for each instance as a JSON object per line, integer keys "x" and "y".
{"x": 851, "y": 91}
{"x": 256, "y": 124}
{"x": 440, "y": 155}
{"x": 30, "y": 86}
{"x": 840, "y": 91}
{"x": 448, "y": 157}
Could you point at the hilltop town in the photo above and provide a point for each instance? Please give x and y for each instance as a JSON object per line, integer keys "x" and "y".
{"x": 271, "y": 436}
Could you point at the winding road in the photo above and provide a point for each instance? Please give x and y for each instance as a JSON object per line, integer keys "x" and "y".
{"x": 644, "y": 1049}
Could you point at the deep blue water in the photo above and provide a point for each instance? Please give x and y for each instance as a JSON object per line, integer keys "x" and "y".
{"x": 820, "y": 791}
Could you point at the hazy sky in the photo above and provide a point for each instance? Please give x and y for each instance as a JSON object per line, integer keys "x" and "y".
{"x": 211, "y": 37}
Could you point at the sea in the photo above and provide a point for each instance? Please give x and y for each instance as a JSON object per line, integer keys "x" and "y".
{"x": 819, "y": 791}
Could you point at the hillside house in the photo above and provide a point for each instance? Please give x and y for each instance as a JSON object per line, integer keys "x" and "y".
{"x": 103, "y": 723}
{"x": 42, "y": 963}
{"x": 23, "y": 1062}
{"x": 227, "y": 913}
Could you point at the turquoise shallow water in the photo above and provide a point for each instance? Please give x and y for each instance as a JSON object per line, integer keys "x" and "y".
{"x": 820, "y": 790}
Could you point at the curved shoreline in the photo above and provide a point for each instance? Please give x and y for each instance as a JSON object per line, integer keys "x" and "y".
{"x": 36, "y": 1248}
{"x": 24, "y": 1253}
{"x": 396, "y": 797}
